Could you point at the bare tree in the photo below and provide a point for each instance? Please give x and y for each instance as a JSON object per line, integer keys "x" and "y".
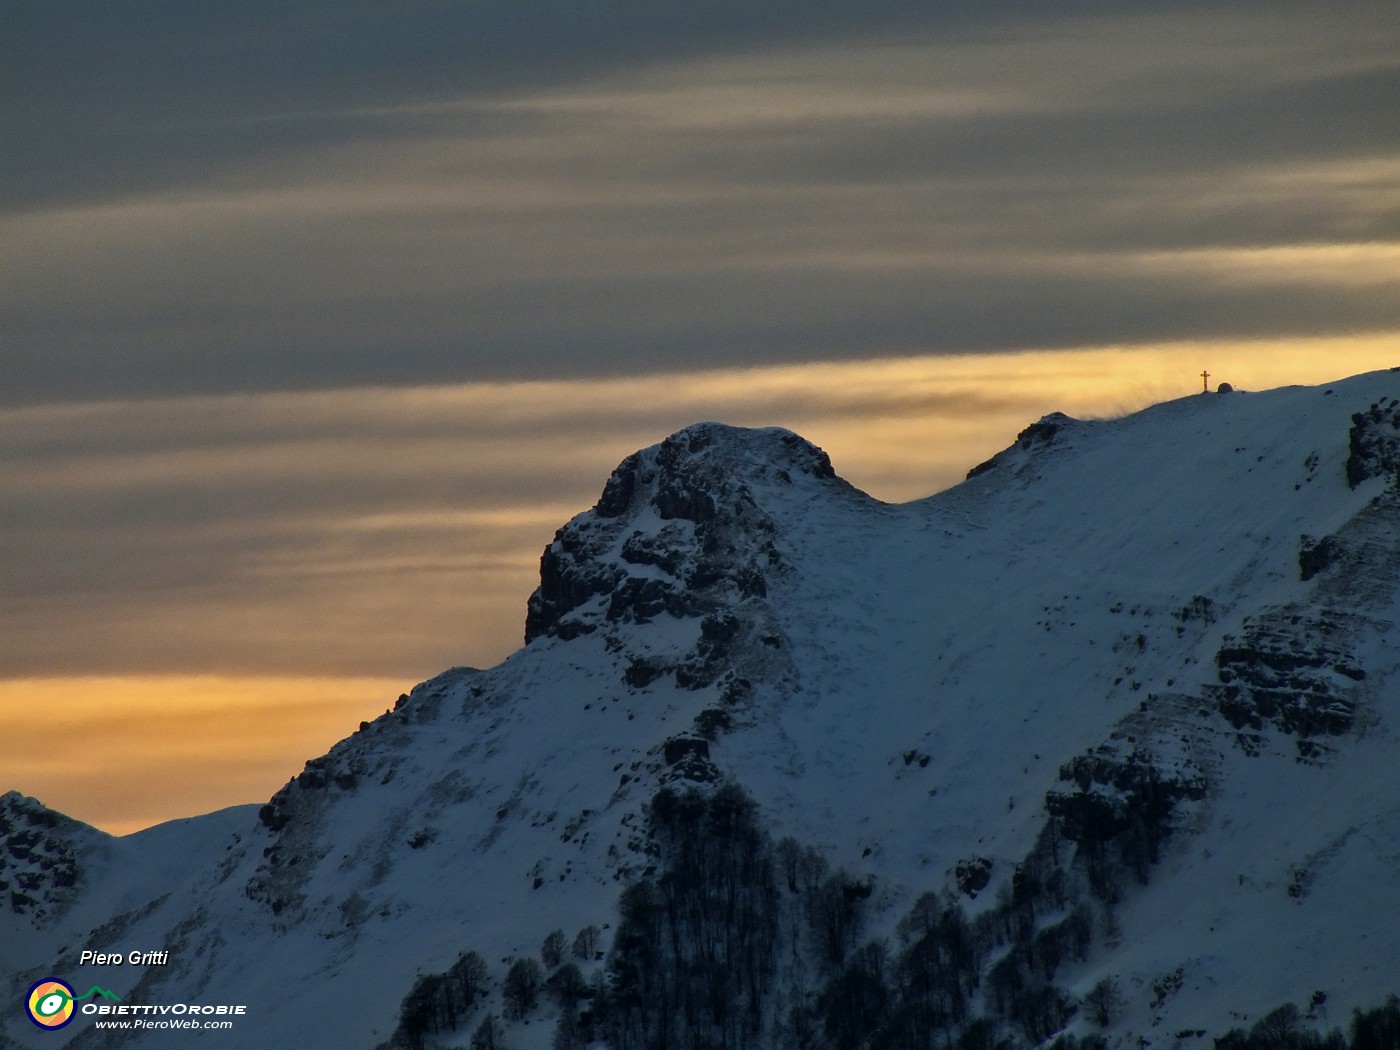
{"x": 522, "y": 988}
{"x": 489, "y": 1035}
{"x": 586, "y": 943}
{"x": 1103, "y": 1002}
{"x": 552, "y": 950}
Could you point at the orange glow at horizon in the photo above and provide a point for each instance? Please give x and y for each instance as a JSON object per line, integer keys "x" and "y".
{"x": 123, "y": 753}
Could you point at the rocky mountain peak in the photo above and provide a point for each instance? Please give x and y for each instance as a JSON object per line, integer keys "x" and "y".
{"x": 695, "y": 471}
{"x": 682, "y": 528}
{"x": 1041, "y": 434}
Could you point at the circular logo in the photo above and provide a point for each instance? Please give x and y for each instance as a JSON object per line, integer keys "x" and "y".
{"x": 51, "y": 1003}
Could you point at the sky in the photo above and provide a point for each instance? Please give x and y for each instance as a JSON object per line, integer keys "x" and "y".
{"x": 318, "y": 318}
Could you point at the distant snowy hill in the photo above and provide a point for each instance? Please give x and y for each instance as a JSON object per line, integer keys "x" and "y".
{"x": 1099, "y": 744}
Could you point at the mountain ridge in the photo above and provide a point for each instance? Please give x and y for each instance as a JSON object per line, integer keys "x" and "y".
{"x": 1156, "y": 627}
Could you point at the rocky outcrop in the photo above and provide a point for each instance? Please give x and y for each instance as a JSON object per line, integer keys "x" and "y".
{"x": 688, "y": 758}
{"x": 39, "y": 850}
{"x": 973, "y": 875}
{"x": 1317, "y": 555}
{"x": 1291, "y": 670}
{"x": 1112, "y": 794}
{"x": 679, "y": 530}
{"x": 1375, "y": 443}
{"x": 1039, "y": 435}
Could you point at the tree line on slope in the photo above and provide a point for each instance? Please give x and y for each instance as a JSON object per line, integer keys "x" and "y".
{"x": 737, "y": 942}
{"x": 732, "y": 941}
{"x": 1284, "y": 1028}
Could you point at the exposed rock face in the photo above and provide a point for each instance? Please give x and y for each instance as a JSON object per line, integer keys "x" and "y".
{"x": 1317, "y": 555}
{"x": 1114, "y": 794}
{"x": 973, "y": 875}
{"x": 715, "y": 544}
{"x": 1036, "y": 437}
{"x": 39, "y": 850}
{"x": 1292, "y": 671}
{"x": 688, "y": 758}
{"x": 1375, "y": 443}
{"x": 1043, "y": 431}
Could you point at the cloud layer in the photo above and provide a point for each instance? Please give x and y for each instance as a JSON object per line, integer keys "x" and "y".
{"x": 328, "y": 197}
{"x": 381, "y": 531}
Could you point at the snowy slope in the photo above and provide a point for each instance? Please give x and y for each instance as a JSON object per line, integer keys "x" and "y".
{"x": 902, "y": 687}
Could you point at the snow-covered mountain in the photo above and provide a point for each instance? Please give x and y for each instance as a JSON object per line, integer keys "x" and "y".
{"x": 1101, "y": 741}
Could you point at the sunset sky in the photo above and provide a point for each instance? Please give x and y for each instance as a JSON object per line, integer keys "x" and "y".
{"x": 318, "y": 317}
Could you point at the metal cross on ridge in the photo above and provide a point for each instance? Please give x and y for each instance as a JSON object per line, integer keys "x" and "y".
{"x": 1205, "y": 382}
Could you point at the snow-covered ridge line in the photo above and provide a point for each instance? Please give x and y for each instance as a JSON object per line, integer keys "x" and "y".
{"x": 1148, "y": 660}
